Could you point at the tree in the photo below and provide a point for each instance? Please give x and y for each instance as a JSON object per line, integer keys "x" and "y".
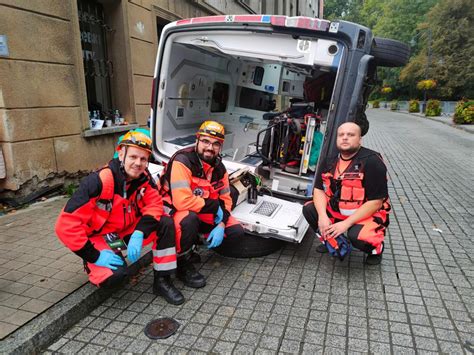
{"x": 342, "y": 10}
{"x": 397, "y": 19}
{"x": 401, "y": 18}
{"x": 451, "y": 23}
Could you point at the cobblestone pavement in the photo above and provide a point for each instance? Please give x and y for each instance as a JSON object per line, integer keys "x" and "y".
{"x": 419, "y": 300}
{"x": 36, "y": 271}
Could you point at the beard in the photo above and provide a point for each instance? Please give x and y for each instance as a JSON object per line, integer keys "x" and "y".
{"x": 348, "y": 151}
{"x": 210, "y": 159}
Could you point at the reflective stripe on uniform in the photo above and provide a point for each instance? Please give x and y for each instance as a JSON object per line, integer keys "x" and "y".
{"x": 164, "y": 259}
{"x": 179, "y": 184}
{"x": 224, "y": 190}
{"x": 347, "y": 212}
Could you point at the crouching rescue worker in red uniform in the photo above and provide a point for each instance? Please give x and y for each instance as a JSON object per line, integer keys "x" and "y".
{"x": 195, "y": 187}
{"x": 117, "y": 205}
{"x": 350, "y": 196}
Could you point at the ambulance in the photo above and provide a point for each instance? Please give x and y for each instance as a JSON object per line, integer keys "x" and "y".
{"x": 280, "y": 86}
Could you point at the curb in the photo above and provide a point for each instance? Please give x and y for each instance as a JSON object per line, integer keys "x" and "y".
{"x": 461, "y": 127}
{"x": 43, "y": 330}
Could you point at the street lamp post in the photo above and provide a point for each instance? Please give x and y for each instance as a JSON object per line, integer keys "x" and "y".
{"x": 428, "y": 63}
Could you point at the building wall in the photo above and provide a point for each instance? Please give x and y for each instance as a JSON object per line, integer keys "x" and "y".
{"x": 41, "y": 96}
{"x": 43, "y": 102}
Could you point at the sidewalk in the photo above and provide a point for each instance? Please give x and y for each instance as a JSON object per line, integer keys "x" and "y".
{"x": 419, "y": 300}
{"x": 36, "y": 271}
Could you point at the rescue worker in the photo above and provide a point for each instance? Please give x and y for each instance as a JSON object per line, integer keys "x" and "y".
{"x": 195, "y": 187}
{"x": 119, "y": 207}
{"x": 350, "y": 196}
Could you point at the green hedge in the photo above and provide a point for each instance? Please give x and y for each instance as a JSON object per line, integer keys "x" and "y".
{"x": 376, "y": 104}
{"x": 394, "y": 106}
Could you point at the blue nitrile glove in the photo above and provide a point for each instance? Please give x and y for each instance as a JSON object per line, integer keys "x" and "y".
{"x": 135, "y": 246}
{"x": 215, "y": 237}
{"x": 108, "y": 258}
{"x": 219, "y": 216}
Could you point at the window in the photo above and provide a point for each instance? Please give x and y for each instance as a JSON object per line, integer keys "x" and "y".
{"x": 255, "y": 99}
{"x": 220, "y": 96}
{"x": 98, "y": 69}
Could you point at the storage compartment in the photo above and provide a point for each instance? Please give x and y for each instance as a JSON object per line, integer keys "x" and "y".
{"x": 272, "y": 216}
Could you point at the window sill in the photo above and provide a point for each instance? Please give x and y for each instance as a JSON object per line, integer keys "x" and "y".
{"x": 108, "y": 130}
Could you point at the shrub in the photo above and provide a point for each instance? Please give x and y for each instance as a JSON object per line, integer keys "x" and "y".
{"x": 394, "y": 106}
{"x": 433, "y": 108}
{"x": 376, "y": 104}
{"x": 386, "y": 90}
{"x": 414, "y": 106}
{"x": 464, "y": 112}
{"x": 70, "y": 189}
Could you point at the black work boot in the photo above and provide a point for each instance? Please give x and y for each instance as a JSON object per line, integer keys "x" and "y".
{"x": 373, "y": 259}
{"x": 163, "y": 286}
{"x": 189, "y": 275}
{"x": 195, "y": 258}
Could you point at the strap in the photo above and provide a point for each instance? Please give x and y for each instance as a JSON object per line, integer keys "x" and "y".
{"x": 107, "y": 179}
{"x": 105, "y": 199}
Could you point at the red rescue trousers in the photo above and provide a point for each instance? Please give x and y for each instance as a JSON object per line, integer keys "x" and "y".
{"x": 164, "y": 255}
{"x": 366, "y": 235}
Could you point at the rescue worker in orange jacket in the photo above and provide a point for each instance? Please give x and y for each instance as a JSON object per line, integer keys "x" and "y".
{"x": 119, "y": 207}
{"x": 195, "y": 187}
{"x": 350, "y": 196}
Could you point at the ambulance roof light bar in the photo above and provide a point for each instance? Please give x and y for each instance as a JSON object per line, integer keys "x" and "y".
{"x": 308, "y": 23}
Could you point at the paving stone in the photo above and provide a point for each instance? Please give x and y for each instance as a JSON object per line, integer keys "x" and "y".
{"x": 269, "y": 342}
{"x": 426, "y": 343}
{"x": 99, "y": 323}
{"x": 451, "y": 348}
{"x": 312, "y": 349}
{"x": 244, "y": 349}
{"x": 230, "y": 335}
{"x": 72, "y": 347}
{"x": 249, "y": 338}
{"x": 224, "y": 347}
{"x": 86, "y": 335}
{"x": 289, "y": 346}
{"x": 402, "y": 339}
{"x": 103, "y": 338}
{"x": 360, "y": 345}
{"x": 379, "y": 348}
{"x": 212, "y": 331}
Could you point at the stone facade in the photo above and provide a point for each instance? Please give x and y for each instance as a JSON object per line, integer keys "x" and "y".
{"x": 43, "y": 97}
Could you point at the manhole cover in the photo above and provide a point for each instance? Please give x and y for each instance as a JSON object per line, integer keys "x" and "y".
{"x": 161, "y": 328}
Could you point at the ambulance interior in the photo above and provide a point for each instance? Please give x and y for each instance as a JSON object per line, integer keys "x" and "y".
{"x": 272, "y": 93}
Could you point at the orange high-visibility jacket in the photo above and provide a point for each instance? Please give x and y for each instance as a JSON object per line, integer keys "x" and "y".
{"x": 346, "y": 193}
{"x": 189, "y": 184}
{"x": 135, "y": 205}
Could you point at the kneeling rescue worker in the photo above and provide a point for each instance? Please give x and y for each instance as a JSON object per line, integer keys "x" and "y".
{"x": 195, "y": 188}
{"x": 350, "y": 196}
{"x": 119, "y": 207}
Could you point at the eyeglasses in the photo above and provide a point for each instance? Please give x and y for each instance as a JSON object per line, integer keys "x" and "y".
{"x": 207, "y": 143}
